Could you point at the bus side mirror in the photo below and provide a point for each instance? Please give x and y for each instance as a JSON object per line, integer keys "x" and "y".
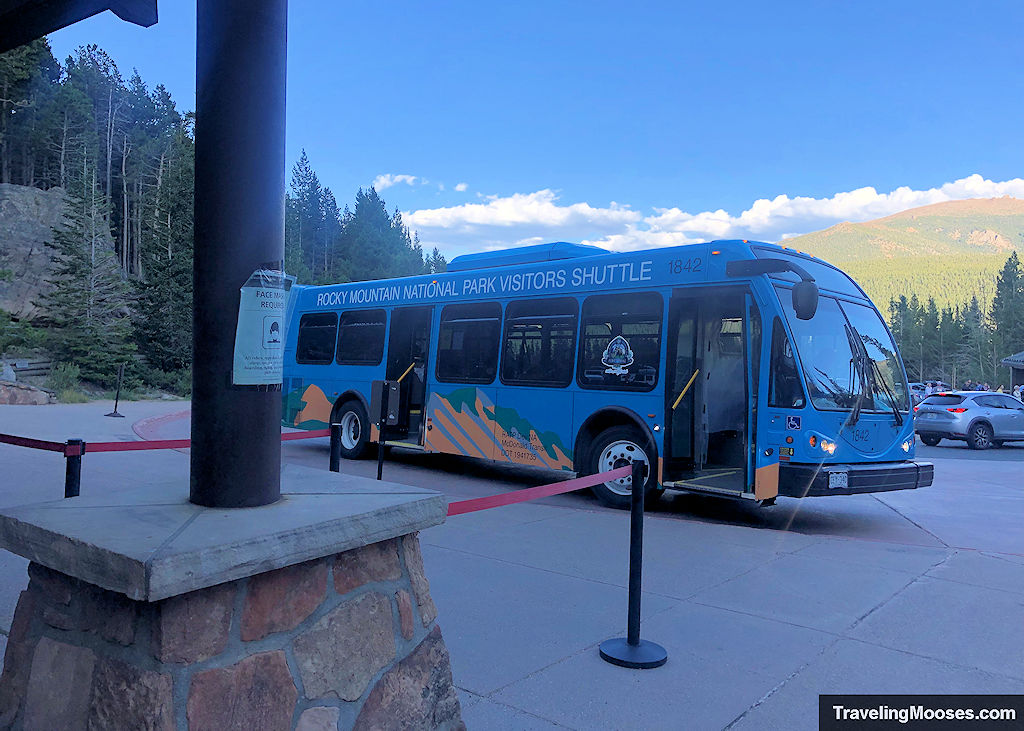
{"x": 805, "y": 300}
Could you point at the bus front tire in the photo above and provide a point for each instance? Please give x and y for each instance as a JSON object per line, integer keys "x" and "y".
{"x": 618, "y": 447}
{"x": 355, "y": 430}
{"x": 930, "y": 439}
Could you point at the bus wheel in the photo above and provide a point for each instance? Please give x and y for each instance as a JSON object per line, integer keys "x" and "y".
{"x": 618, "y": 447}
{"x": 355, "y": 430}
{"x": 930, "y": 439}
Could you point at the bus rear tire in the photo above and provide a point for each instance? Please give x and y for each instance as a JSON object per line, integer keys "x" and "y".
{"x": 355, "y": 430}
{"x": 618, "y": 447}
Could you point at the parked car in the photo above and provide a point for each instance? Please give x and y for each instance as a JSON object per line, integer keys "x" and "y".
{"x": 917, "y": 393}
{"x": 981, "y": 418}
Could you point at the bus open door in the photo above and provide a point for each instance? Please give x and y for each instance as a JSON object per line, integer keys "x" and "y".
{"x": 408, "y": 348}
{"x": 710, "y": 389}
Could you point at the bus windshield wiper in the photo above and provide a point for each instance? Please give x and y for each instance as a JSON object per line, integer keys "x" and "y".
{"x": 872, "y": 376}
{"x": 860, "y": 372}
{"x": 836, "y": 392}
{"x": 880, "y": 380}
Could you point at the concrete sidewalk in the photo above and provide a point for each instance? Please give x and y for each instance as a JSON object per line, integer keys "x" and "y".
{"x": 758, "y": 618}
{"x": 757, "y": 623}
{"x": 32, "y": 476}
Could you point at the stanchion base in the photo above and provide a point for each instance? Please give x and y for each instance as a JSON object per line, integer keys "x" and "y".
{"x": 642, "y": 657}
{"x": 114, "y": 413}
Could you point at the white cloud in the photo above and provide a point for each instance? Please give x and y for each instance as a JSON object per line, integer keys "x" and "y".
{"x": 461, "y": 187}
{"x": 784, "y": 217}
{"x": 387, "y": 180}
{"x": 499, "y": 222}
{"x": 538, "y": 209}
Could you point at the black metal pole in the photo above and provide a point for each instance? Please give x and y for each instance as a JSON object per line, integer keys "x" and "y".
{"x": 631, "y": 651}
{"x": 382, "y": 420}
{"x": 117, "y": 397}
{"x": 73, "y": 468}
{"x": 239, "y": 228}
{"x": 636, "y": 550}
{"x": 335, "y": 465}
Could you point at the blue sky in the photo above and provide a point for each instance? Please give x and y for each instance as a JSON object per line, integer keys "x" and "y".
{"x": 633, "y": 125}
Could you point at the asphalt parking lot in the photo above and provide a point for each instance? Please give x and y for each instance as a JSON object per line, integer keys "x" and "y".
{"x": 760, "y": 609}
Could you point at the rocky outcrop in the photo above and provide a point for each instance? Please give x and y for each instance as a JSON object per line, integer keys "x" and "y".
{"x": 20, "y": 393}
{"x": 27, "y": 218}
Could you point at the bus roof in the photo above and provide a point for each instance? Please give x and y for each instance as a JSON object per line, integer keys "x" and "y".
{"x": 565, "y": 268}
{"x": 523, "y": 255}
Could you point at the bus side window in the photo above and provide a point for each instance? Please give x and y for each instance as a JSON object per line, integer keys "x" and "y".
{"x": 317, "y": 331}
{"x": 784, "y": 389}
{"x": 467, "y": 343}
{"x": 540, "y": 342}
{"x": 621, "y": 341}
{"x": 361, "y": 337}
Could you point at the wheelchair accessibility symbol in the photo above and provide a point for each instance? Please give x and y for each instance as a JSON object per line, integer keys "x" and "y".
{"x": 793, "y": 423}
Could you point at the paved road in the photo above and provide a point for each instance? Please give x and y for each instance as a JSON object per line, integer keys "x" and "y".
{"x": 761, "y": 609}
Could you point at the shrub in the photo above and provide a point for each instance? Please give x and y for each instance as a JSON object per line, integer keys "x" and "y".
{"x": 178, "y": 382}
{"x": 64, "y": 377}
{"x": 71, "y": 396}
{"x": 18, "y": 336}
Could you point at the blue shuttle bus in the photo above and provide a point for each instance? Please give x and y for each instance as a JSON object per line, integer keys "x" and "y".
{"x": 733, "y": 368}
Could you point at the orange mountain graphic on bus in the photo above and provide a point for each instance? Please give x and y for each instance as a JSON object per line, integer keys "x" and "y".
{"x": 465, "y": 421}
{"x": 314, "y": 409}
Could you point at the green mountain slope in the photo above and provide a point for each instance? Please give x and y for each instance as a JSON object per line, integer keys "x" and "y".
{"x": 949, "y": 251}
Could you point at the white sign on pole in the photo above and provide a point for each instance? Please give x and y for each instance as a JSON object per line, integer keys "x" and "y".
{"x": 259, "y": 337}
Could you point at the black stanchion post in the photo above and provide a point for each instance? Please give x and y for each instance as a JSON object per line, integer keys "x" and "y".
{"x": 382, "y": 420}
{"x": 631, "y": 651}
{"x": 73, "y": 469}
{"x": 335, "y": 448}
{"x": 117, "y": 398}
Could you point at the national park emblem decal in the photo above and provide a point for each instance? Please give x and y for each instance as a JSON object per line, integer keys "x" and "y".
{"x": 618, "y": 356}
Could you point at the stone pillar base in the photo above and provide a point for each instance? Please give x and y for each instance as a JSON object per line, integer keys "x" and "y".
{"x": 346, "y": 641}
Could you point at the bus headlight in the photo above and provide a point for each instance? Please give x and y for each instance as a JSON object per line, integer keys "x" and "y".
{"x": 907, "y": 445}
{"x": 828, "y": 447}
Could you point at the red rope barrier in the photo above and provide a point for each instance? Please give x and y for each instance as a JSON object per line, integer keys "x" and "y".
{"x": 456, "y": 508}
{"x": 31, "y": 443}
{"x": 74, "y": 450}
{"x": 532, "y": 493}
{"x": 135, "y": 446}
{"x": 305, "y": 435}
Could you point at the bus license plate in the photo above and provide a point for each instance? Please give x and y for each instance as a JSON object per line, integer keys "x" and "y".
{"x": 838, "y": 479}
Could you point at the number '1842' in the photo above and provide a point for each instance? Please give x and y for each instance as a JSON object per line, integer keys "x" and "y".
{"x": 678, "y": 266}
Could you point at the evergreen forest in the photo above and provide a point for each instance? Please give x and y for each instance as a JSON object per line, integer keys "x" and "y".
{"x": 123, "y": 154}
{"x": 968, "y": 341}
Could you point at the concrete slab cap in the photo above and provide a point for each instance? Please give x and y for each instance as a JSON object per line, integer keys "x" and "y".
{"x": 151, "y": 543}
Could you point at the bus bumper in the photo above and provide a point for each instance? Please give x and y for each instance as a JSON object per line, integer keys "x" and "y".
{"x": 796, "y": 480}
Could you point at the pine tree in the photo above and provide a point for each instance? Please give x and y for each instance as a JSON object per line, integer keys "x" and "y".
{"x": 27, "y": 74}
{"x": 977, "y": 342}
{"x": 436, "y": 263}
{"x": 163, "y": 307}
{"x": 931, "y": 350}
{"x": 88, "y": 305}
{"x": 1007, "y": 314}
{"x": 307, "y": 196}
{"x": 67, "y": 122}
{"x": 950, "y": 340}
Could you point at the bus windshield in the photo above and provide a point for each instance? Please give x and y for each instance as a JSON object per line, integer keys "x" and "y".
{"x": 837, "y": 376}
